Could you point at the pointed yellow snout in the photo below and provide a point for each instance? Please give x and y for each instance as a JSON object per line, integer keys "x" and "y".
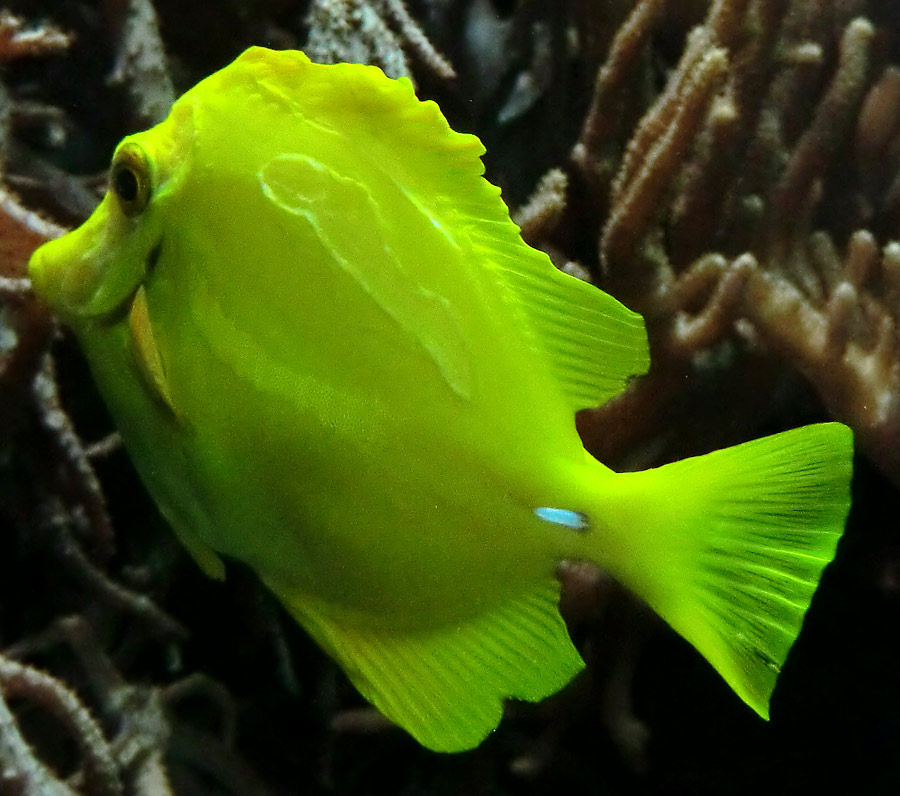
{"x": 62, "y": 273}
{"x": 90, "y": 271}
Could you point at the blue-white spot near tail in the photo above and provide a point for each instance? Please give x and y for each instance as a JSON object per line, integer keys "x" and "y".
{"x": 568, "y": 519}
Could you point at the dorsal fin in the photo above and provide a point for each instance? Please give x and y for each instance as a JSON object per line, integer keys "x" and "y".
{"x": 593, "y": 344}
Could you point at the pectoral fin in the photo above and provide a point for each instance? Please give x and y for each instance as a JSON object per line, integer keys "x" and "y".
{"x": 146, "y": 351}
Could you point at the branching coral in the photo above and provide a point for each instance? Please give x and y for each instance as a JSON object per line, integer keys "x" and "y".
{"x": 750, "y": 215}
{"x": 720, "y": 215}
{"x": 52, "y": 496}
{"x": 17, "y": 39}
{"x": 141, "y": 65}
{"x": 58, "y": 508}
{"x": 375, "y": 32}
{"x": 125, "y": 748}
{"x": 19, "y": 764}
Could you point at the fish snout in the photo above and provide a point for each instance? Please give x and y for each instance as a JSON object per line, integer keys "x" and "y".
{"x": 45, "y": 273}
{"x": 69, "y": 274}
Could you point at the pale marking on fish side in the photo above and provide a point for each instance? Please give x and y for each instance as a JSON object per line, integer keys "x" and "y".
{"x": 423, "y": 314}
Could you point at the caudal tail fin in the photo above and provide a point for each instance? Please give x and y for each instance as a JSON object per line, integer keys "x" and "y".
{"x": 729, "y": 547}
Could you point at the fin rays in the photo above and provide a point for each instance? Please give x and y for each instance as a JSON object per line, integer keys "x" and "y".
{"x": 446, "y": 685}
{"x": 739, "y": 540}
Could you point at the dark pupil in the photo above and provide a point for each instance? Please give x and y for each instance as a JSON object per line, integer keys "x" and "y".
{"x": 125, "y": 184}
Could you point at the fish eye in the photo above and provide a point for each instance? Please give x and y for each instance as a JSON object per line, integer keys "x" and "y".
{"x": 129, "y": 178}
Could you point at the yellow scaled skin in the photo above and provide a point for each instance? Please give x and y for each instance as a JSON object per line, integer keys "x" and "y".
{"x": 331, "y": 356}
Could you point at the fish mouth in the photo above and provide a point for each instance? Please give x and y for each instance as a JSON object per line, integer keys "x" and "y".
{"x": 79, "y": 281}
{"x": 62, "y": 277}
{"x": 44, "y": 283}
{"x": 66, "y": 285}
{"x": 53, "y": 278}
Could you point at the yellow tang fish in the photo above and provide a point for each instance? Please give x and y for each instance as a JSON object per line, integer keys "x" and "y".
{"x": 332, "y": 357}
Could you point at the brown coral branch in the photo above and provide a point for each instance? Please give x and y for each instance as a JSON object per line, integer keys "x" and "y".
{"x": 104, "y": 447}
{"x": 146, "y": 729}
{"x": 370, "y": 32}
{"x": 847, "y": 347}
{"x": 78, "y": 477}
{"x": 100, "y": 584}
{"x": 151, "y": 778}
{"x": 141, "y": 65}
{"x": 17, "y": 40}
{"x": 627, "y": 45}
{"x": 712, "y": 169}
{"x": 17, "y": 680}
{"x": 21, "y": 773}
{"x": 726, "y": 22}
{"x": 704, "y": 193}
{"x": 700, "y": 330}
{"x": 637, "y": 200}
{"x": 879, "y": 117}
{"x": 538, "y": 218}
{"x": 21, "y": 232}
{"x": 137, "y": 712}
{"x": 416, "y": 40}
{"x": 833, "y": 120}
{"x": 24, "y": 333}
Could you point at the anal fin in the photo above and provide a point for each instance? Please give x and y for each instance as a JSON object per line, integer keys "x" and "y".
{"x": 446, "y": 685}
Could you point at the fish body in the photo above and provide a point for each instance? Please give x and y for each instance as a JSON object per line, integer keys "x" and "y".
{"x": 332, "y": 357}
